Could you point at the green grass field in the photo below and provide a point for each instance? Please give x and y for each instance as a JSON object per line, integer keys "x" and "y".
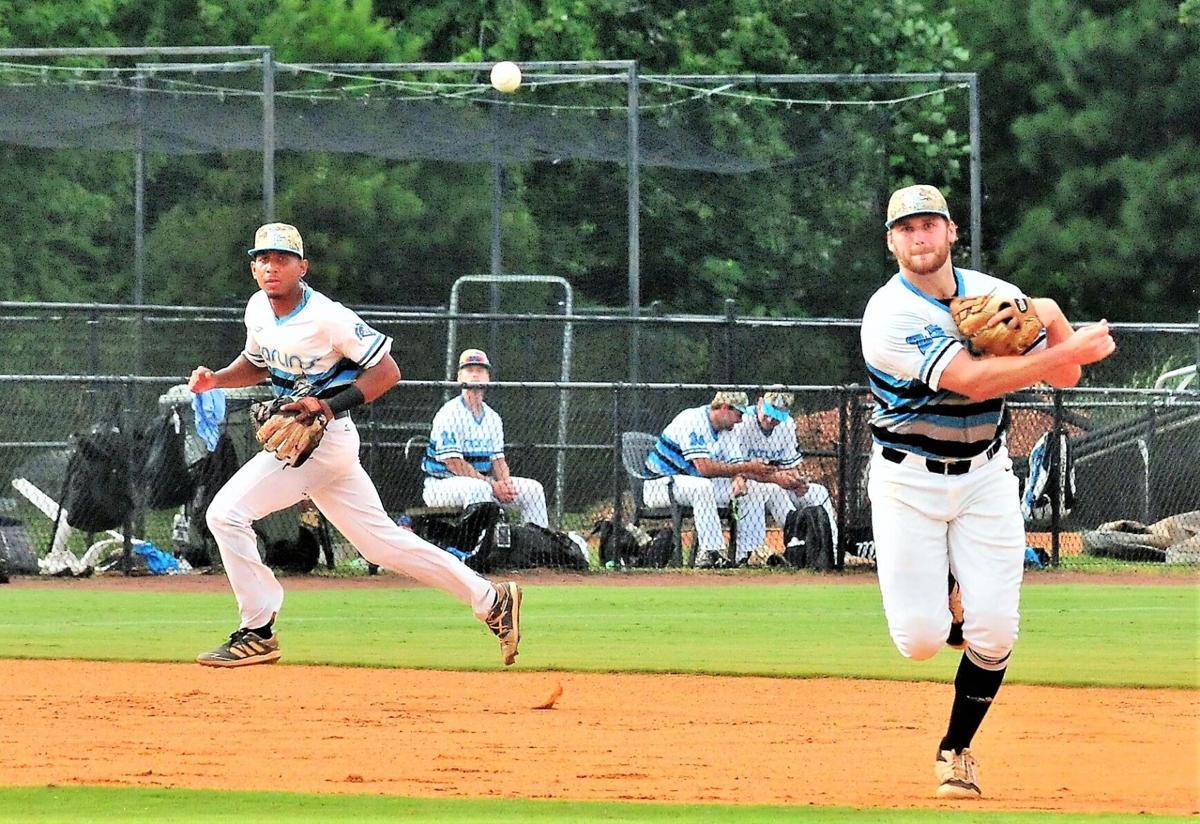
{"x": 186, "y": 806}
{"x": 1078, "y": 634}
{"x": 1083, "y": 635}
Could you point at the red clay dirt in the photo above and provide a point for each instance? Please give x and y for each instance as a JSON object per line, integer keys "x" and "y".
{"x": 618, "y": 737}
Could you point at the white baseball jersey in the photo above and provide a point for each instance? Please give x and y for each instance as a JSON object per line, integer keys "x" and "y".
{"x": 908, "y": 339}
{"x": 777, "y": 447}
{"x": 457, "y": 433}
{"x": 689, "y": 436}
{"x": 320, "y": 341}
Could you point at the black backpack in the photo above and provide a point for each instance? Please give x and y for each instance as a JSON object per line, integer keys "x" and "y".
{"x": 96, "y": 491}
{"x": 808, "y": 539}
{"x": 164, "y": 477}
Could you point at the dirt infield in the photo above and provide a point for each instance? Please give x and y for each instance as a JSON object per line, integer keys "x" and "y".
{"x": 618, "y": 737}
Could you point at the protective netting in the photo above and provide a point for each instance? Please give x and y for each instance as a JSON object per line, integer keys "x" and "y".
{"x": 404, "y": 180}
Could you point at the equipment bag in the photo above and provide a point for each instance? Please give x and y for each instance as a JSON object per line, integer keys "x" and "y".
{"x": 465, "y": 535}
{"x": 297, "y": 555}
{"x": 16, "y": 551}
{"x": 164, "y": 478}
{"x": 525, "y": 547}
{"x": 1043, "y": 486}
{"x": 536, "y": 546}
{"x": 808, "y": 539}
{"x": 97, "y": 494}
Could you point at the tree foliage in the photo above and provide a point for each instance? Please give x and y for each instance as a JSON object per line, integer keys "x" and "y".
{"x": 1091, "y": 163}
{"x": 1090, "y": 159}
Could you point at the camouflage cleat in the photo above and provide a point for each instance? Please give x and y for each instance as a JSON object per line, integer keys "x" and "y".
{"x": 958, "y": 773}
{"x": 505, "y": 620}
{"x": 243, "y": 649}
{"x": 955, "y": 638}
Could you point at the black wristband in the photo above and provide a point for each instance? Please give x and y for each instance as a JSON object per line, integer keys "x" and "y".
{"x": 348, "y": 398}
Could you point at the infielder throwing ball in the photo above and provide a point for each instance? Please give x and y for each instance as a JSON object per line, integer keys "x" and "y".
{"x": 329, "y": 361}
{"x": 943, "y": 493}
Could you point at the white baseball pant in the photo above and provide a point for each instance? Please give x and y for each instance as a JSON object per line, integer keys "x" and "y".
{"x": 463, "y": 491}
{"x": 337, "y": 483}
{"x": 927, "y": 524}
{"x": 704, "y": 496}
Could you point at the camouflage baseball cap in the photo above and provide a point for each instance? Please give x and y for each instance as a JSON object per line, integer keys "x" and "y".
{"x": 737, "y": 400}
{"x": 916, "y": 200}
{"x": 778, "y": 405}
{"x": 474, "y": 357}
{"x": 277, "y": 237}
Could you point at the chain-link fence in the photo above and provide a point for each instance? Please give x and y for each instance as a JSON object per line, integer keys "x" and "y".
{"x": 75, "y": 369}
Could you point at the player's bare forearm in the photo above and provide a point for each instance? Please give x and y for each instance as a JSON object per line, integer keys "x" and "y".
{"x": 983, "y": 378}
{"x": 500, "y": 469}
{"x": 710, "y": 468}
{"x": 378, "y": 379}
{"x": 460, "y": 467}
{"x": 1058, "y": 331}
{"x": 239, "y": 373}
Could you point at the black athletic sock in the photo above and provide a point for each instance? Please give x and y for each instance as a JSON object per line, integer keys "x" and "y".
{"x": 264, "y": 632}
{"x": 974, "y": 689}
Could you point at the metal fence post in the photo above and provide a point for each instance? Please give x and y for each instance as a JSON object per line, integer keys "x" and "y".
{"x": 843, "y": 473}
{"x": 1056, "y": 458}
{"x": 618, "y": 459}
{"x": 730, "y": 320}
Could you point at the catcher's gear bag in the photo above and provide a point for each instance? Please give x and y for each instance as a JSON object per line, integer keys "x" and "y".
{"x": 1013, "y": 337}
{"x": 290, "y": 435}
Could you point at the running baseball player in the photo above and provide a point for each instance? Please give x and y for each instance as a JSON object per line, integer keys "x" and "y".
{"x": 770, "y": 434}
{"x": 695, "y": 463}
{"x": 943, "y": 494}
{"x": 464, "y": 462}
{"x": 304, "y": 342}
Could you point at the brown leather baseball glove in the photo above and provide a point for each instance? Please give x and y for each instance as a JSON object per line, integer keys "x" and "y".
{"x": 1013, "y": 336}
{"x": 290, "y": 428}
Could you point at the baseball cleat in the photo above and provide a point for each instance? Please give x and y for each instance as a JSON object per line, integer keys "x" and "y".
{"x": 243, "y": 648}
{"x": 955, "y": 638}
{"x": 505, "y": 620}
{"x": 711, "y": 559}
{"x": 958, "y": 773}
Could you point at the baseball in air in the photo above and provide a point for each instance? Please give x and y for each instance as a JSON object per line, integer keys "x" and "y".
{"x": 506, "y": 76}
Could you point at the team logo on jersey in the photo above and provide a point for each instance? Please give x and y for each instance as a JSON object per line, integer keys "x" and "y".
{"x": 923, "y": 342}
{"x": 361, "y": 330}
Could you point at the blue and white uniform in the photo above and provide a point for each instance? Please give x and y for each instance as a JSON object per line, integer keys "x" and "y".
{"x": 778, "y": 448}
{"x": 458, "y": 432}
{"x": 943, "y": 494}
{"x": 320, "y": 341}
{"x": 672, "y": 471}
{"x": 327, "y": 346}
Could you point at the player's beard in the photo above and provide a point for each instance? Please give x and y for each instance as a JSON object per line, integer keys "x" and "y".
{"x": 927, "y": 260}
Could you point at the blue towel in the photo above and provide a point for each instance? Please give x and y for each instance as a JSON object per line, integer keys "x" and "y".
{"x": 1032, "y": 559}
{"x": 159, "y": 562}
{"x": 209, "y": 408}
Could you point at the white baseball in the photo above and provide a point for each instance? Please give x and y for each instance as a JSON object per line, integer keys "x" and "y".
{"x": 506, "y": 76}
